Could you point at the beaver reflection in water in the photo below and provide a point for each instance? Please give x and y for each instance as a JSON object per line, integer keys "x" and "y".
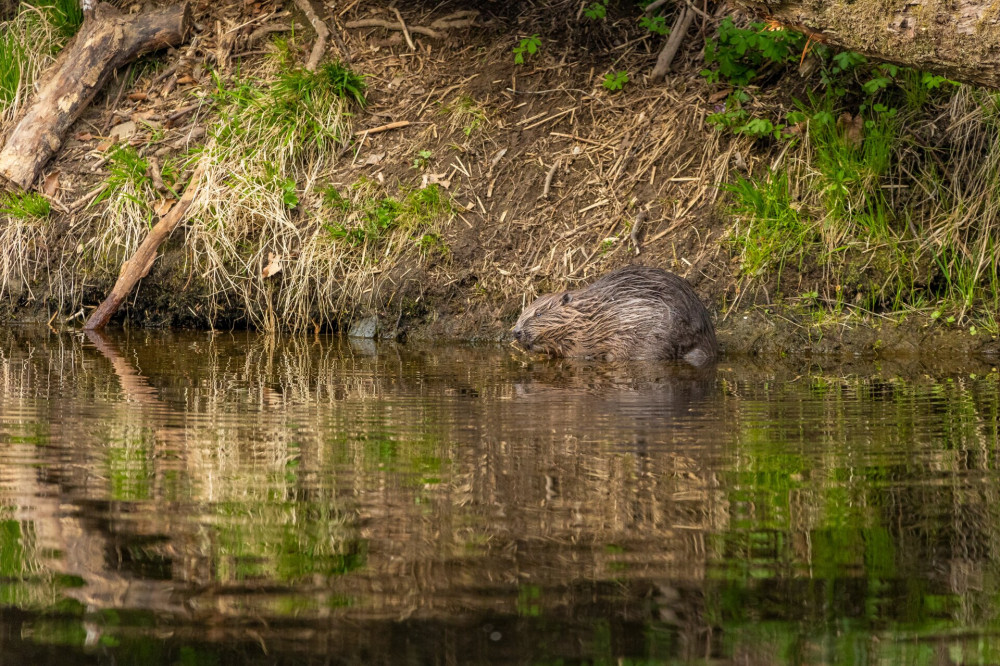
{"x": 635, "y": 312}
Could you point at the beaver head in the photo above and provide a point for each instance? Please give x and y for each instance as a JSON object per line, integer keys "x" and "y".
{"x": 544, "y": 325}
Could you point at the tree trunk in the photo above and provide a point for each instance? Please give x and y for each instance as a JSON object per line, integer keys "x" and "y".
{"x": 958, "y": 39}
{"x": 106, "y": 41}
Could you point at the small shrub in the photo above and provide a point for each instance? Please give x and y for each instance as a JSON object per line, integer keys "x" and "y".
{"x": 526, "y": 47}
{"x": 614, "y": 81}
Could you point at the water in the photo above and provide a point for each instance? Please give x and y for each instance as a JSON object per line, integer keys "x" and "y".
{"x": 233, "y": 498}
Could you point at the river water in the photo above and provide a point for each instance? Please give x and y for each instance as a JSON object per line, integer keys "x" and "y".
{"x": 172, "y": 498}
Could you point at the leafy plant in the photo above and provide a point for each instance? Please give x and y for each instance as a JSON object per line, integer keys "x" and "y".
{"x": 615, "y": 80}
{"x": 655, "y": 24}
{"x": 738, "y": 54}
{"x": 422, "y": 159}
{"x": 527, "y": 46}
{"x": 596, "y": 11}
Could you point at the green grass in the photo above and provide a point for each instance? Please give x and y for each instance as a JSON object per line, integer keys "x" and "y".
{"x": 29, "y": 41}
{"x": 770, "y": 230}
{"x": 25, "y": 206}
{"x": 299, "y": 113}
{"x": 895, "y": 212}
{"x": 65, "y": 16}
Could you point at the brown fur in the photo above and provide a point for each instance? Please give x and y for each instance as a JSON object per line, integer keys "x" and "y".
{"x": 635, "y": 312}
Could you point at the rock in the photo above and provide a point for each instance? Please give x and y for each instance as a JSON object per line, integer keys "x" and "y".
{"x": 364, "y": 328}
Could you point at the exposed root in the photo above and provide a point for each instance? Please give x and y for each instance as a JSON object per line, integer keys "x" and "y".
{"x": 322, "y": 33}
{"x": 389, "y": 25}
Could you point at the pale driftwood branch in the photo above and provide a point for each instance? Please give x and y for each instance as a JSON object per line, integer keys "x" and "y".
{"x": 322, "y": 33}
{"x": 138, "y": 266}
{"x": 677, "y": 34}
{"x": 106, "y": 41}
{"x": 389, "y": 25}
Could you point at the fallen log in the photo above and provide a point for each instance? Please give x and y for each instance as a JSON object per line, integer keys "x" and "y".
{"x": 106, "y": 41}
{"x": 138, "y": 266}
{"x": 959, "y": 39}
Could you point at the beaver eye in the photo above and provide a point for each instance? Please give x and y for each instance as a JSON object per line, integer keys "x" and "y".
{"x": 538, "y": 313}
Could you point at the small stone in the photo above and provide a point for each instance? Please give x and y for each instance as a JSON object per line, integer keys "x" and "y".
{"x": 364, "y": 328}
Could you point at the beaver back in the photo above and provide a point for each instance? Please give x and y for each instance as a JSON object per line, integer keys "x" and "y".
{"x": 635, "y": 312}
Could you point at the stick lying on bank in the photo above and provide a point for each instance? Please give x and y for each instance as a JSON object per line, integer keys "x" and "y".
{"x": 138, "y": 266}
{"x": 105, "y": 42}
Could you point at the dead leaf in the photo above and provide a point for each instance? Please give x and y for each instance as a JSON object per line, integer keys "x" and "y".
{"x": 853, "y": 128}
{"x": 123, "y": 131}
{"x": 138, "y": 96}
{"x": 104, "y": 145}
{"x": 720, "y": 95}
{"x": 273, "y": 267}
{"x": 83, "y": 136}
{"x": 186, "y": 79}
{"x": 50, "y": 185}
{"x": 163, "y": 206}
{"x": 435, "y": 179}
{"x": 374, "y": 158}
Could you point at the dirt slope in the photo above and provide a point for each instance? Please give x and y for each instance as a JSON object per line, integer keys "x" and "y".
{"x": 630, "y": 176}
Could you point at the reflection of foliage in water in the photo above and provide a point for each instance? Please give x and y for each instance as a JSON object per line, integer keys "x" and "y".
{"x": 773, "y": 520}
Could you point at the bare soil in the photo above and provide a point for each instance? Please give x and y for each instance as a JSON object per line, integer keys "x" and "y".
{"x": 633, "y": 176}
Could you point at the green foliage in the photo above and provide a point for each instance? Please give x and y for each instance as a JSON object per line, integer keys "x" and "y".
{"x": 528, "y": 46}
{"x": 27, "y": 206}
{"x": 431, "y": 244}
{"x": 332, "y": 198}
{"x": 341, "y": 81}
{"x": 286, "y": 186}
{"x": 615, "y": 80}
{"x": 655, "y": 24}
{"x": 298, "y": 112}
{"x": 771, "y": 228}
{"x": 372, "y": 219}
{"x": 596, "y": 11}
{"x": 738, "y": 54}
{"x": 127, "y": 171}
{"x": 423, "y": 159}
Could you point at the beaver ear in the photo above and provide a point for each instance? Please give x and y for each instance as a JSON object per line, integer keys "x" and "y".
{"x": 567, "y": 297}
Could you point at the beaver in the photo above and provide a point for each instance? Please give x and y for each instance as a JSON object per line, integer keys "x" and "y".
{"x": 636, "y": 312}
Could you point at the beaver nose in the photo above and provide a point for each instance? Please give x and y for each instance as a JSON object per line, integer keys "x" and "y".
{"x": 518, "y": 334}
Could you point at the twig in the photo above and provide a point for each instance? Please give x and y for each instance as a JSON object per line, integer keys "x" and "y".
{"x": 459, "y": 19}
{"x": 322, "y": 33}
{"x": 154, "y": 174}
{"x": 384, "y": 128}
{"x": 87, "y": 198}
{"x": 265, "y": 30}
{"x": 548, "y": 179}
{"x": 406, "y": 33}
{"x": 345, "y": 54}
{"x": 636, "y": 225}
{"x": 677, "y": 34}
{"x": 388, "y": 25}
{"x": 180, "y": 113}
